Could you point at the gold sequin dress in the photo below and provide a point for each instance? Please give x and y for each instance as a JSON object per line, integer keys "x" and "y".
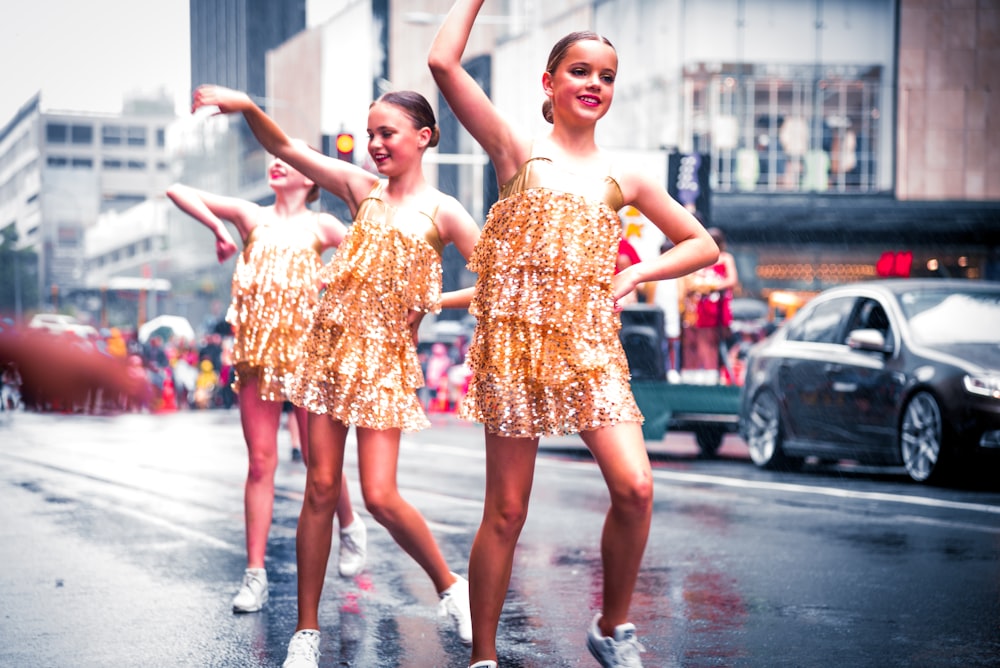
{"x": 274, "y": 294}
{"x": 545, "y": 356}
{"x": 359, "y": 364}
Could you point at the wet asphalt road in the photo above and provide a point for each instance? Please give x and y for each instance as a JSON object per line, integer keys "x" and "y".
{"x": 121, "y": 544}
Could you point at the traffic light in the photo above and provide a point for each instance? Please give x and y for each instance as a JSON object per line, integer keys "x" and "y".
{"x": 345, "y": 146}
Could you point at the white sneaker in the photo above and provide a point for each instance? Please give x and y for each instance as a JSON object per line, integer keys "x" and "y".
{"x": 303, "y": 650}
{"x": 353, "y": 548}
{"x": 455, "y": 604}
{"x": 620, "y": 651}
{"x": 484, "y": 664}
{"x": 253, "y": 592}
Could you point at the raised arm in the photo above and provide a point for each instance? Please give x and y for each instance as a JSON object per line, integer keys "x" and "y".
{"x": 210, "y": 210}
{"x": 348, "y": 182}
{"x": 467, "y": 100}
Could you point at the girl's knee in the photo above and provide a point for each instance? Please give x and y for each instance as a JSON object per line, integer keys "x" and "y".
{"x": 506, "y": 519}
{"x": 262, "y": 467}
{"x": 322, "y": 493}
{"x": 382, "y": 504}
{"x": 636, "y": 495}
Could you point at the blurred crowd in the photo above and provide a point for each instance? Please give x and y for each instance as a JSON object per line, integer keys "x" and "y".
{"x": 169, "y": 374}
{"x": 446, "y": 374}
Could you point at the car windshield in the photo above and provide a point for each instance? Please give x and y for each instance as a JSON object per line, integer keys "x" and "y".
{"x": 939, "y": 316}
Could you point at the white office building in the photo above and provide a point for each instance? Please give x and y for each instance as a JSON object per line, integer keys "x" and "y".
{"x": 60, "y": 170}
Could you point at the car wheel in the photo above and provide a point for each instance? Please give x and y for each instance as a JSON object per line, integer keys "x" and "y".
{"x": 765, "y": 433}
{"x": 709, "y": 439}
{"x": 921, "y": 438}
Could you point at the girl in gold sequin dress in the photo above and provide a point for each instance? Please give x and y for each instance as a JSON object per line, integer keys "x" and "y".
{"x": 546, "y": 358}
{"x": 274, "y": 294}
{"x": 359, "y": 365}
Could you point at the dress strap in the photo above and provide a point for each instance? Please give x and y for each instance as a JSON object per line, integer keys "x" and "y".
{"x": 253, "y": 233}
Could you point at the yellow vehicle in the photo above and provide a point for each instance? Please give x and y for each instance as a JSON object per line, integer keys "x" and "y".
{"x": 782, "y": 304}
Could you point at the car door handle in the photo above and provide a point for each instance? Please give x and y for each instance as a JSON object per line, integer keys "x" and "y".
{"x": 844, "y": 387}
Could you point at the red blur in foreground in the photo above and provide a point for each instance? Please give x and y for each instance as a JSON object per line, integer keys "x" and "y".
{"x": 65, "y": 369}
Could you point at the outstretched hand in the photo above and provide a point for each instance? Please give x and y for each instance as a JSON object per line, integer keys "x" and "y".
{"x": 226, "y": 99}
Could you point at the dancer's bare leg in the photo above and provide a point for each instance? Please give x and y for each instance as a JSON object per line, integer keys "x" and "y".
{"x": 621, "y": 454}
{"x": 378, "y": 455}
{"x": 260, "y": 420}
{"x": 315, "y": 531}
{"x": 510, "y": 470}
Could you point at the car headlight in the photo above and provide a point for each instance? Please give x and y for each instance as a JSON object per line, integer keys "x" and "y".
{"x": 987, "y": 386}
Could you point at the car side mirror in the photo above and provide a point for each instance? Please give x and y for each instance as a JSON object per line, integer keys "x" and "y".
{"x": 869, "y": 340}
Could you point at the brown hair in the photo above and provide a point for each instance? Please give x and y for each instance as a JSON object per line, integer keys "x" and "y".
{"x": 557, "y": 54}
{"x": 417, "y": 108}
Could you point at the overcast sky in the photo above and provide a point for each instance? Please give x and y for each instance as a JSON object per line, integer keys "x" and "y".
{"x": 84, "y": 55}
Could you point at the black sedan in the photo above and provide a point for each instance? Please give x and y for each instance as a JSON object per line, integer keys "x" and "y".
{"x": 897, "y": 372}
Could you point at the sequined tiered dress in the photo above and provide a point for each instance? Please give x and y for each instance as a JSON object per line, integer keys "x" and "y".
{"x": 274, "y": 294}
{"x": 545, "y": 356}
{"x": 359, "y": 364}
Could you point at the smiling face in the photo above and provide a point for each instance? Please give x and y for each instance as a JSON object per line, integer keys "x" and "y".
{"x": 394, "y": 143}
{"x": 281, "y": 175}
{"x": 581, "y": 84}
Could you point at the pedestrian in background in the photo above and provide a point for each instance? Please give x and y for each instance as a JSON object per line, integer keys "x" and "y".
{"x": 545, "y": 356}
{"x": 710, "y": 295}
{"x": 274, "y": 293}
{"x": 360, "y": 364}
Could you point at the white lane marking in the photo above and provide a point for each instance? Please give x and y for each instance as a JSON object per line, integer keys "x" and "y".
{"x": 722, "y": 481}
{"x": 165, "y": 524}
{"x": 82, "y": 484}
{"x": 700, "y": 478}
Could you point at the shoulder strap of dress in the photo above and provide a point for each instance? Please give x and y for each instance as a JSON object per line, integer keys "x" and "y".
{"x": 432, "y": 214}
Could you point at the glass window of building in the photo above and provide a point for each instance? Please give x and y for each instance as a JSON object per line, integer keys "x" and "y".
{"x": 82, "y": 163}
{"x": 136, "y": 135}
{"x": 137, "y": 164}
{"x": 56, "y": 133}
{"x": 788, "y": 128}
{"x": 111, "y": 135}
{"x": 82, "y": 134}
{"x": 161, "y": 137}
{"x": 112, "y": 163}
{"x": 56, "y": 161}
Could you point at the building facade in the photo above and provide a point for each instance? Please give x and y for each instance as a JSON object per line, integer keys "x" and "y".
{"x": 230, "y": 38}
{"x": 60, "y": 171}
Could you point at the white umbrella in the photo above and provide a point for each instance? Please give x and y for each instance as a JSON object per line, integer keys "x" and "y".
{"x": 166, "y": 326}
